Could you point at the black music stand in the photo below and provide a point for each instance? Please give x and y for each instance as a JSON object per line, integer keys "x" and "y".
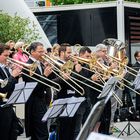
{"x": 63, "y": 108}
{"x": 97, "y": 109}
{"x": 128, "y": 126}
{"x": 136, "y": 85}
{"x": 21, "y": 93}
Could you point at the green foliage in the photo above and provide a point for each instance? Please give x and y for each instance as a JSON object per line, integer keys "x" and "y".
{"x": 15, "y": 28}
{"x": 60, "y": 2}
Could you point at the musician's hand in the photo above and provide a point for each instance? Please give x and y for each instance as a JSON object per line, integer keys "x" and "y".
{"x": 113, "y": 65}
{"x": 94, "y": 77}
{"x": 48, "y": 70}
{"x": 66, "y": 76}
{"x": 16, "y": 71}
{"x": 78, "y": 68}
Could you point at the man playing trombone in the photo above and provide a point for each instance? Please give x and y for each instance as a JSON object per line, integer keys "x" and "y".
{"x": 36, "y": 106}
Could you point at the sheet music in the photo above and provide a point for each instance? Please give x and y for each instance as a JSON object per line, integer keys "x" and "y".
{"x": 26, "y": 92}
{"x": 15, "y": 95}
{"x": 63, "y": 108}
{"x": 73, "y": 104}
{"x": 21, "y": 93}
{"x": 109, "y": 87}
{"x": 97, "y": 136}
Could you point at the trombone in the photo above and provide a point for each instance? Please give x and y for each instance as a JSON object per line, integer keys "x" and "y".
{"x": 31, "y": 68}
{"x": 24, "y": 48}
{"x": 70, "y": 70}
{"x": 92, "y": 62}
{"x": 64, "y": 68}
{"x": 68, "y": 67}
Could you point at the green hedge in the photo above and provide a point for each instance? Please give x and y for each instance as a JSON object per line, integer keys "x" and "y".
{"x": 64, "y": 2}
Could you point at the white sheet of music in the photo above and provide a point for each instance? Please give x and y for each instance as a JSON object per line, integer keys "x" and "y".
{"x": 21, "y": 93}
{"x": 97, "y": 136}
{"x": 63, "y": 108}
{"x": 73, "y": 104}
{"x": 15, "y": 94}
{"x": 26, "y": 92}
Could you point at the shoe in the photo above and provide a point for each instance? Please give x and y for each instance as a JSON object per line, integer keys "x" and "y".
{"x": 115, "y": 130}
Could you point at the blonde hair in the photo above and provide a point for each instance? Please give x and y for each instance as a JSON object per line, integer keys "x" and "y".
{"x": 18, "y": 45}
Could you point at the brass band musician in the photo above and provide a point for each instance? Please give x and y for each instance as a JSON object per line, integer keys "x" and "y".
{"x": 8, "y": 124}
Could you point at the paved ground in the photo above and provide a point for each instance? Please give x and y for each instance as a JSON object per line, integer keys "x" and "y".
{"x": 119, "y": 127}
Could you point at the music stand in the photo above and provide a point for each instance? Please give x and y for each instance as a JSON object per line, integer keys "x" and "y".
{"x": 136, "y": 84}
{"x": 97, "y": 109}
{"x": 109, "y": 86}
{"x": 128, "y": 125}
{"x": 63, "y": 108}
{"x": 21, "y": 93}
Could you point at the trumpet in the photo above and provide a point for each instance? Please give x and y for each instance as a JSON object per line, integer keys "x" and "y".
{"x": 31, "y": 68}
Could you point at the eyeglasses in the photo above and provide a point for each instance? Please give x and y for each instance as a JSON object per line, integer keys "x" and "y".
{"x": 103, "y": 50}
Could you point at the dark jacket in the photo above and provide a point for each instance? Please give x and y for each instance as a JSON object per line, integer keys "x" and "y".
{"x": 7, "y": 114}
{"x": 137, "y": 67}
{"x": 36, "y": 106}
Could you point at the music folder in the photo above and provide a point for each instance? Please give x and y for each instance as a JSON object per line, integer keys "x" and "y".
{"x": 63, "y": 108}
{"x": 21, "y": 93}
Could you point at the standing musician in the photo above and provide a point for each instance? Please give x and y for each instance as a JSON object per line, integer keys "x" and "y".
{"x": 66, "y": 124}
{"x": 8, "y": 127}
{"x": 104, "y": 124}
{"x": 85, "y": 107}
{"x": 137, "y": 67}
{"x": 36, "y": 106}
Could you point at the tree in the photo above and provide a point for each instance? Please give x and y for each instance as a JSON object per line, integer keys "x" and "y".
{"x": 17, "y": 28}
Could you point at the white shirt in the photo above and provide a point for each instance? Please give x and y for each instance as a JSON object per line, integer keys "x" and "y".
{"x": 38, "y": 63}
{"x": 3, "y": 66}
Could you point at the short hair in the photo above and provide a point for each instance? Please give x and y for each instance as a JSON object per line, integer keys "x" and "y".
{"x": 136, "y": 54}
{"x": 49, "y": 50}
{"x": 100, "y": 47}
{"x": 33, "y": 46}
{"x": 3, "y": 47}
{"x": 18, "y": 45}
{"x": 84, "y": 49}
{"x": 63, "y": 47}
